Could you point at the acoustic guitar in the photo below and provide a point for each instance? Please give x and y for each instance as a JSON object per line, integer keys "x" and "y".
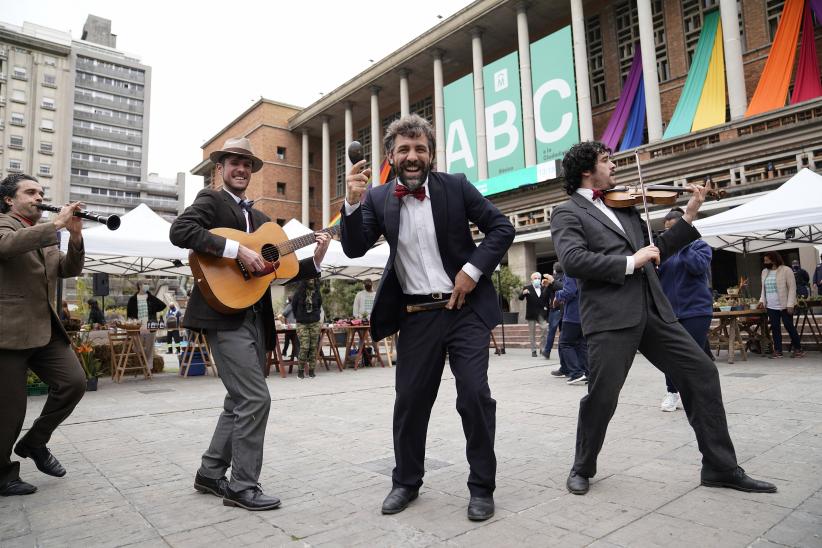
{"x": 228, "y": 286}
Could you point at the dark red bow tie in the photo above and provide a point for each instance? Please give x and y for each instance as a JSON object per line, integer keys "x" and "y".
{"x": 403, "y": 190}
{"x": 598, "y": 195}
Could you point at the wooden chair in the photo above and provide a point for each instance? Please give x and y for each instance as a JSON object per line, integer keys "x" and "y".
{"x": 124, "y": 345}
{"x": 197, "y": 341}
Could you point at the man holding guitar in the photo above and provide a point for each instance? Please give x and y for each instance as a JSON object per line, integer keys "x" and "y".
{"x": 238, "y": 337}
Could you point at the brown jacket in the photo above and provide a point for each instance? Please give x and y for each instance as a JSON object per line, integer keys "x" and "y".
{"x": 30, "y": 264}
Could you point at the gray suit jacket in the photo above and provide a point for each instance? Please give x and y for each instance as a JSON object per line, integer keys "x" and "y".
{"x": 592, "y": 249}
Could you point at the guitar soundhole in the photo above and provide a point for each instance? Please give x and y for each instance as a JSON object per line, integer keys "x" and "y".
{"x": 270, "y": 253}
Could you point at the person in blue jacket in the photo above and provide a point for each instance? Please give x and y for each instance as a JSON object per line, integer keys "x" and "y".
{"x": 684, "y": 276}
{"x": 573, "y": 350}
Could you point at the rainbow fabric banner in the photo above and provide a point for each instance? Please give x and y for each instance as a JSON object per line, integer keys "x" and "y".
{"x": 384, "y": 177}
{"x": 636, "y": 120}
{"x": 806, "y": 84}
{"x": 625, "y": 104}
{"x": 702, "y": 103}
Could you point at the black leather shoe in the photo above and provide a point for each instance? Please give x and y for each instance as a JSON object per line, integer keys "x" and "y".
{"x": 43, "y": 460}
{"x": 480, "y": 508}
{"x": 577, "y": 484}
{"x": 398, "y": 499}
{"x": 557, "y": 373}
{"x": 738, "y": 480}
{"x": 252, "y": 498}
{"x": 16, "y": 487}
{"x": 216, "y": 487}
{"x": 533, "y": 353}
{"x": 311, "y": 373}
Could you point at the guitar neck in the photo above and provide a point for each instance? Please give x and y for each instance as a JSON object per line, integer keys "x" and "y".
{"x": 292, "y": 245}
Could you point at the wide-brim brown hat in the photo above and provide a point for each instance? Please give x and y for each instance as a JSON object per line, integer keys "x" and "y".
{"x": 239, "y": 147}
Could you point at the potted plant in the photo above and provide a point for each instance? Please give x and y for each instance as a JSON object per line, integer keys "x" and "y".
{"x": 507, "y": 284}
{"x": 90, "y": 363}
{"x": 34, "y": 386}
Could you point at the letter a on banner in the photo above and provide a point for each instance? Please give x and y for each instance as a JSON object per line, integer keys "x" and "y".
{"x": 460, "y": 128}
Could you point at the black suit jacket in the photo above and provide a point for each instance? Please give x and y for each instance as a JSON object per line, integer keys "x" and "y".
{"x": 213, "y": 209}
{"x": 454, "y": 202}
{"x": 592, "y": 249}
{"x": 536, "y": 306}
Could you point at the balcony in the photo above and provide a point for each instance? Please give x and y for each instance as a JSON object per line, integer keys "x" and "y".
{"x": 100, "y": 102}
{"x": 156, "y": 205}
{"x": 105, "y": 168}
{"x": 102, "y": 70}
{"x": 106, "y": 88}
{"x": 106, "y": 151}
{"x": 99, "y": 134}
{"x": 110, "y": 120}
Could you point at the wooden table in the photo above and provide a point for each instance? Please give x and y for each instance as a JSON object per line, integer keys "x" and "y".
{"x": 363, "y": 332}
{"x": 333, "y": 356}
{"x": 729, "y": 331}
{"x": 276, "y": 356}
{"x": 803, "y": 316}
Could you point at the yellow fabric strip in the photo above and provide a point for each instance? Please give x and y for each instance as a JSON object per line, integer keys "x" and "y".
{"x": 711, "y": 109}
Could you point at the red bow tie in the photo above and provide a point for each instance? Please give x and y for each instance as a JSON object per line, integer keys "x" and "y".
{"x": 403, "y": 190}
{"x": 598, "y": 195}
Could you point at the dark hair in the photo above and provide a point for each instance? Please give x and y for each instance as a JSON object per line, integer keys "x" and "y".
{"x": 93, "y": 303}
{"x": 675, "y": 213}
{"x": 367, "y": 284}
{"x": 8, "y": 188}
{"x": 558, "y": 268}
{"x": 581, "y": 157}
{"x": 411, "y": 125}
{"x": 775, "y": 258}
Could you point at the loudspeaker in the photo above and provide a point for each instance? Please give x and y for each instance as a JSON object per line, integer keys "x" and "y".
{"x": 100, "y": 284}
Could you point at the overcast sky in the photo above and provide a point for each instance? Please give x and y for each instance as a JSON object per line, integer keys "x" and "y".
{"x": 210, "y": 60}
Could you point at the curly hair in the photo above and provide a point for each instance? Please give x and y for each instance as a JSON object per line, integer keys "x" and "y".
{"x": 581, "y": 157}
{"x": 411, "y": 125}
{"x": 8, "y": 188}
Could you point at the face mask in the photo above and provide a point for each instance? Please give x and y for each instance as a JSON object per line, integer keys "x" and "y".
{"x": 535, "y": 283}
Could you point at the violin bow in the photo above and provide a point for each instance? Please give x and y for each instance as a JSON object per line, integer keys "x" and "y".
{"x": 644, "y": 199}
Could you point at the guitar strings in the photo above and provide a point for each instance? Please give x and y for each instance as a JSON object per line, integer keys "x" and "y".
{"x": 290, "y": 246}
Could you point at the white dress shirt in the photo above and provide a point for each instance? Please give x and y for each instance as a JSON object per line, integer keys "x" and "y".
{"x": 232, "y": 246}
{"x": 588, "y": 194}
{"x": 418, "y": 261}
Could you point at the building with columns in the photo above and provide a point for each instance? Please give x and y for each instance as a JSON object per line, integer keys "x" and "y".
{"x": 745, "y": 155}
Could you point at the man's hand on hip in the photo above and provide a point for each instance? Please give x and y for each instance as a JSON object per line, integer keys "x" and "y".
{"x": 463, "y": 285}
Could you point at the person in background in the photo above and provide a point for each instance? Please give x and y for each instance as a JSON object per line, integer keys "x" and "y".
{"x": 817, "y": 277}
{"x": 307, "y": 304}
{"x": 684, "y": 278}
{"x": 779, "y": 298}
{"x": 554, "y": 317}
{"x": 143, "y": 305}
{"x": 364, "y": 301}
{"x": 173, "y": 319}
{"x": 573, "y": 350}
{"x": 65, "y": 313}
{"x": 803, "y": 280}
{"x": 287, "y": 316}
{"x": 96, "y": 317}
{"x": 536, "y": 309}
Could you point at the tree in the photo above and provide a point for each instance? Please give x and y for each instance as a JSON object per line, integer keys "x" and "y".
{"x": 508, "y": 285}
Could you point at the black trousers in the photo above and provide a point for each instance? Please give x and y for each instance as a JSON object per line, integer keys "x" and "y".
{"x": 58, "y": 367}
{"x": 673, "y": 351}
{"x": 425, "y": 338}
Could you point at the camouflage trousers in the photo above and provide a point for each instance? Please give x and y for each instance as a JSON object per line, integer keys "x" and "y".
{"x": 309, "y": 336}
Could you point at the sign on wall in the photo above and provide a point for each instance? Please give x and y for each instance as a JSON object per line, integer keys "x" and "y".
{"x": 460, "y": 128}
{"x": 503, "y": 115}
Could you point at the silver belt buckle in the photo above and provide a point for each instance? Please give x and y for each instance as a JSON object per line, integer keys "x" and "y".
{"x": 436, "y": 296}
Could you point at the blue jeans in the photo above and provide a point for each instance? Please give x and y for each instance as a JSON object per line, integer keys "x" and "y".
{"x": 697, "y": 327}
{"x": 554, "y": 321}
{"x": 573, "y": 350}
{"x": 774, "y": 317}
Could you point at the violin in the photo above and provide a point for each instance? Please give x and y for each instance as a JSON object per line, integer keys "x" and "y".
{"x": 629, "y": 196}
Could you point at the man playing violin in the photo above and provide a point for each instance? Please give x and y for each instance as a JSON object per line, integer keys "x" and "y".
{"x": 623, "y": 309}
{"x": 31, "y": 333}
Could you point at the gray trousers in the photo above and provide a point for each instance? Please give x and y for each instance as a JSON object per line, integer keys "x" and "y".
{"x": 532, "y": 333}
{"x": 240, "y": 433}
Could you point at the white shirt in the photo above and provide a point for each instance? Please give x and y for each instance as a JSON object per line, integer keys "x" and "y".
{"x": 588, "y": 194}
{"x": 232, "y": 246}
{"x": 418, "y": 260}
{"x": 537, "y": 290}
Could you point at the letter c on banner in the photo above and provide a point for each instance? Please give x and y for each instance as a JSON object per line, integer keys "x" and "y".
{"x": 564, "y": 90}
{"x": 457, "y": 146}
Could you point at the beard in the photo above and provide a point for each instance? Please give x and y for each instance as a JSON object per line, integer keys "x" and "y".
{"x": 417, "y": 179}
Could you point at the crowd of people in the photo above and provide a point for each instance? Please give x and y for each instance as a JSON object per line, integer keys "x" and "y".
{"x": 615, "y": 290}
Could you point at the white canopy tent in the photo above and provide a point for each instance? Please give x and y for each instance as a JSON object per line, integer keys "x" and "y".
{"x": 140, "y": 246}
{"x": 787, "y": 217}
{"x": 336, "y": 263}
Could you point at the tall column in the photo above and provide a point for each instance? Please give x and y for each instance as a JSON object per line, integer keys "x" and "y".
{"x": 326, "y": 172}
{"x": 305, "y": 209}
{"x": 737, "y": 94}
{"x": 586, "y": 121}
{"x": 376, "y": 139}
{"x": 439, "y": 110}
{"x": 404, "y": 104}
{"x": 650, "y": 77}
{"x": 349, "y": 132}
{"x": 479, "y": 104}
{"x": 524, "y": 42}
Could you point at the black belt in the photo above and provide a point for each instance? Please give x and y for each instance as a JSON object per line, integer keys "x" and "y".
{"x": 428, "y": 298}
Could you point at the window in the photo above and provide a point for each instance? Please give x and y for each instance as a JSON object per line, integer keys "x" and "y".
{"x": 311, "y": 195}
{"x": 50, "y": 80}
{"x": 280, "y": 189}
{"x": 693, "y": 14}
{"x": 45, "y": 170}
{"x": 627, "y": 29}
{"x": 424, "y": 108}
{"x": 20, "y": 73}
{"x": 48, "y": 103}
{"x": 773, "y": 11}
{"x": 46, "y": 148}
{"x": 364, "y": 137}
{"x": 47, "y": 125}
{"x": 281, "y": 222}
{"x": 596, "y": 67}
{"x": 390, "y": 118}
{"x": 16, "y": 142}
{"x": 49, "y": 60}
{"x": 311, "y": 158}
{"x": 339, "y": 179}
{"x": 281, "y": 153}
{"x": 15, "y": 166}
{"x": 17, "y": 119}
{"x": 18, "y": 96}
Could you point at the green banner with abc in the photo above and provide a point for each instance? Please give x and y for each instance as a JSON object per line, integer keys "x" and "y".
{"x": 460, "y": 128}
{"x": 555, "y": 98}
{"x": 503, "y": 115}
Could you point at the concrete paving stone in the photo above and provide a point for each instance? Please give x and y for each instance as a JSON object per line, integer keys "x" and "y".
{"x": 671, "y": 532}
{"x": 798, "y": 529}
{"x": 600, "y": 517}
{"x": 518, "y": 530}
{"x": 640, "y": 493}
{"x": 812, "y": 505}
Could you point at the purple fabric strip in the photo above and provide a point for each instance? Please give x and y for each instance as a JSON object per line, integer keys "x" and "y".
{"x": 636, "y": 123}
{"x": 616, "y": 125}
{"x": 817, "y": 10}
{"x": 806, "y": 81}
